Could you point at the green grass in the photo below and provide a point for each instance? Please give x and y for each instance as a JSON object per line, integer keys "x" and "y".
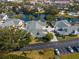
{"x": 12, "y": 57}
{"x": 40, "y": 12}
{"x": 70, "y": 56}
{"x": 69, "y": 37}
{"x": 36, "y": 54}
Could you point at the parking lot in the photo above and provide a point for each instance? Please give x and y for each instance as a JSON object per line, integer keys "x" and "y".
{"x": 66, "y": 50}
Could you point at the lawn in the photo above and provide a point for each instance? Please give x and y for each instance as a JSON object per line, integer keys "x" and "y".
{"x": 35, "y": 41}
{"x": 66, "y": 15}
{"x": 36, "y": 54}
{"x": 12, "y": 57}
{"x": 70, "y": 56}
{"x": 68, "y": 37}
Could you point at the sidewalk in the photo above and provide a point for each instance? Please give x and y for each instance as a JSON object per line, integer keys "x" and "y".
{"x": 54, "y": 37}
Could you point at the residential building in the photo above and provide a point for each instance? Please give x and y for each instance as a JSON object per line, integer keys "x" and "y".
{"x": 77, "y": 1}
{"x": 12, "y": 22}
{"x": 36, "y": 28}
{"x": 11, "y": 0}
{"x": 61, "y": 1}
{"x": 3, "y": 16}
{"x": 67, "y": 27}
{"x": 61, "y": 4}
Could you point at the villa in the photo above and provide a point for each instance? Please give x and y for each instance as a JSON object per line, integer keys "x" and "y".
{"x": 62, "y": 1}
{"x": 11, "y": 0}
{"x": 3, "y": 16}
{"x": 12, "y": 22}
{"x": 67, "y": 27}
{"x": 36, "y": 28}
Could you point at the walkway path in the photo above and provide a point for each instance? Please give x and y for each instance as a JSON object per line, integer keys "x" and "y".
{"x": 54, "y": 38}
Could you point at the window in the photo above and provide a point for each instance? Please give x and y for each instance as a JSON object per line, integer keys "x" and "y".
{"x": 78, "y": 29}
{"x": 38, "y": 33}
{"x": 65, "y": 30}
{"x": 60, "y": 29}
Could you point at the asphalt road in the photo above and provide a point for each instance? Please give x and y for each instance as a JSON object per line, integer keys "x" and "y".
{"x": 58, "y": 44}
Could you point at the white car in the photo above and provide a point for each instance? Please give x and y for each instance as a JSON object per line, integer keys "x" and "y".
{"x": 71, "y": 50}
{"x": 77, "y": 49}
{"x": 57, "y": 51}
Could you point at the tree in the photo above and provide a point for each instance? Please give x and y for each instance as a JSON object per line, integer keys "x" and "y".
{"x": 51, "y": 10}
{"x": 25, "y": 40}
{"x": 32, "y": 17}
{"x": 48, "y": 37}
{"x": 73, "y": 7}
{"x": 18, "y": 16}
{"x": 11, "y": 38}
{"x": 50, "y": 18}
{"x": 39, "y": 18}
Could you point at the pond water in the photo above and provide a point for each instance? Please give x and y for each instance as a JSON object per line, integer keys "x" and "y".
{"x": 73, "y": 20}
{"x": 41, "y": 16}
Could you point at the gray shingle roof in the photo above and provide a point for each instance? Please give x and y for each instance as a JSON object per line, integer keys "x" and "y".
{"x": 35, "y": 27}
{"x": 63, "y": 29}
{"x": 10, "y": 22}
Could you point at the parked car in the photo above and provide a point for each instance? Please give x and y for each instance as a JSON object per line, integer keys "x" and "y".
{"x": 57, "y": 52}
{"x": 70, "y": 49}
